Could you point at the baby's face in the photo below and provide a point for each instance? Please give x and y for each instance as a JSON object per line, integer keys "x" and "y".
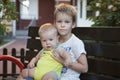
{"x": 49, "y": 40}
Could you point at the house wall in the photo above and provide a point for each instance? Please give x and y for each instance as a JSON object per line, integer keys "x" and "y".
{"x": 45, "y": 14}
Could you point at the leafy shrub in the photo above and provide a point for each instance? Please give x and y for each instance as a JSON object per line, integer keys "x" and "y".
{"x": 2, "y": 31}
{"x": 8, "y": 8}
{"x": 109, "y": 12}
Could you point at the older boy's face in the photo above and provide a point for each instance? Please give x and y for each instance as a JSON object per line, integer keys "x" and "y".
{"x": 64, "y": 23}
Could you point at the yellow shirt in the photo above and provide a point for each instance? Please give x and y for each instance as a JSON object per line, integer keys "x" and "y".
{"x": 47, "y": 64}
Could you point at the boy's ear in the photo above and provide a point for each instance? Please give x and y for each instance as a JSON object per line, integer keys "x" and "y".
{"x": 74, "y": 25}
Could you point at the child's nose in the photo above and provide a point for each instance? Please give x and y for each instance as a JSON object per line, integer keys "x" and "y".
{"x": 62, "y": 24}
{"x": 47, "y": 42}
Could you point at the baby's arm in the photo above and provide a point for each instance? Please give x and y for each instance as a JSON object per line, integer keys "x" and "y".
{"x": 34, "y": 61}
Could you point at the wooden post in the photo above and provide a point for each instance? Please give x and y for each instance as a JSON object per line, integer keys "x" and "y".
{"x": 13, "y": 64}
{"x": 22, "y": 52}
{"x": 5, "y": 52}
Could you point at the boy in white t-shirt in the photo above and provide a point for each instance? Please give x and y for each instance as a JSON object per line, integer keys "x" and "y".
{"x": 65, "y": 20}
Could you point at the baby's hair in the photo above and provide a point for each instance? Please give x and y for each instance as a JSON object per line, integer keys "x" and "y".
{"x": 47, "y": 27}
{"x": 66, "y": 8}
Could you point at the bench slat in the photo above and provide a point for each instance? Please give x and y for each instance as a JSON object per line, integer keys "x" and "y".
{"x": 104, "y": 34}
{"x": 34, "y": 44}
{"x": 91, "y": 76}
{"x": 33, "y": 32}
{"x": 102, "y": 66}
{"x": 103, "y": 50}
{"x": 99, "y": 34}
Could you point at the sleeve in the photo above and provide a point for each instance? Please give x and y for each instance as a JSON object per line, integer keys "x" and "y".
{"x": 78, "y": 48}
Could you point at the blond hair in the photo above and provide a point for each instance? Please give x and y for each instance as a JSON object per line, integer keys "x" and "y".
{"x": 66, "y": 8}
{"x": 46, "y": 28}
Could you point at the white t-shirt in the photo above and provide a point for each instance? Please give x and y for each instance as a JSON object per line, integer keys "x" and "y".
{"x": 75, "y": 47}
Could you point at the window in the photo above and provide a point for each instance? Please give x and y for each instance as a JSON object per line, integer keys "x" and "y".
{"x": 29, "y": 9}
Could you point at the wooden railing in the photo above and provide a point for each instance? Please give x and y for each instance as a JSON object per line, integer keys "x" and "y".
{"x": 9, "y": 69}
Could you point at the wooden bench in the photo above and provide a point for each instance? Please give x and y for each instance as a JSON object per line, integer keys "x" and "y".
{"x": 102, "y": 46}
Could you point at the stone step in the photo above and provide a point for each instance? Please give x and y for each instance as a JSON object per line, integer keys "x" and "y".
{"x": 22, "y": 33}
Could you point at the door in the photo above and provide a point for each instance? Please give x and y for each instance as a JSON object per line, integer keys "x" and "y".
{"x": 46, "y": 11}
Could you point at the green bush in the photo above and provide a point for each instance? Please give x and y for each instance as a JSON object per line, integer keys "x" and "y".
{"x": 2, "y": 31}
{"x": 109, "y": 12}
{"x": 8, "y": 9}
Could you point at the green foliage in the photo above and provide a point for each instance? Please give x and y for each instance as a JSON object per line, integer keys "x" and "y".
{"x": 109, "y": 12}
{"x": 8, "y": 8}
{"x": 2, "y": 30}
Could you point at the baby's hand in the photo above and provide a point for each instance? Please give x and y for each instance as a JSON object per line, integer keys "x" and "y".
{"x": 31, "y": 65}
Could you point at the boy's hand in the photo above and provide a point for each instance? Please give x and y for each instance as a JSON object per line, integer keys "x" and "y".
{"x": 67, "y": 63}
{"x": 57, "y": 57}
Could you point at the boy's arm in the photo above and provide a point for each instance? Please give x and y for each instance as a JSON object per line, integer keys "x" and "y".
{"x": 65, "y": 56}
{"x": 81, "y": 65}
